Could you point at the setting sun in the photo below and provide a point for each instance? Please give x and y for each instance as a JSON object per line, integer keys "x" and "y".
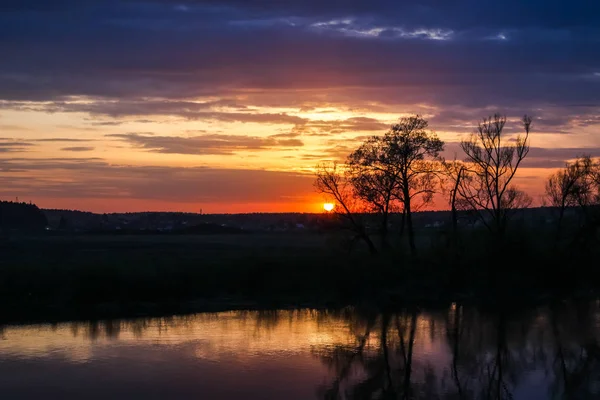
{"x": 328, "y": 207}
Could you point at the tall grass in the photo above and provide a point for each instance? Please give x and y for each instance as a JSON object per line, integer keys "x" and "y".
{"x": 61, "y": 273}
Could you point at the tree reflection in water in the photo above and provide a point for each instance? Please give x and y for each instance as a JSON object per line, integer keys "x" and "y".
{"x": 491, "y": 355}
{"x": 379, "y": 364}
{"x": 457, "y": 353}
{"x": 576, "y": 356}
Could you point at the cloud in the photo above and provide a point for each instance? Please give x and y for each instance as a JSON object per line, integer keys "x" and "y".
{"x": 132, "y": 108}
{"x": 356, "y": 124}
{"x": 213, "y": 144}
{"x": 8, "y": 145}
{"x": 557, "y": 157}
{"x": 277, "y": 62}
{"x": 335, "y": 152}
{"x": 96, "y": 178}
{"x": 349, "y": 27}
{"x": 62, "y": 139}
{"x": 107, "y": 123}
{"x": 538, "y": 157}
{"x": 6, "y": 127}
{"x": 14, "y": 146}
{"x": 292, "y": 134}
{"x": 237, "y": 48}
{"x": 327, "y": 128}
{"x": 201, "y": 111}
{"x": 78, "y": 148}
{"x": 514, "y": 13}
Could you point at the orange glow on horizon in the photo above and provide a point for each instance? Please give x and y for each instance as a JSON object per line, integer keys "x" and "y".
{"x": 260, "y": 174}
{"x": 309, "y": 205}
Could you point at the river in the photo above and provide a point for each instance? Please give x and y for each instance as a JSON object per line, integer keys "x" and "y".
{"x": 457, "y": 352}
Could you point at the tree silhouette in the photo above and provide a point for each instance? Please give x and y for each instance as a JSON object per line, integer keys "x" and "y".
{"x": 493, "y": 161}
{"x": 453, "y": 175}
{"x": 412, "y": 148}
{"x": 21, "y": 216}
{"x": 333, "y": 182}
{"x": 567, "y": 188}
{"x": 376, "y": 180}
{"x": 387, "y": 173}
{"x": 391, "y": 171}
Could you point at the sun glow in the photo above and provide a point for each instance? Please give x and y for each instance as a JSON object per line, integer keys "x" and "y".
{"x": 328, "y": 207}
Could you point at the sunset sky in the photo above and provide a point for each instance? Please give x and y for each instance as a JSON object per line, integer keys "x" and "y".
{"x": 227, "y": 105}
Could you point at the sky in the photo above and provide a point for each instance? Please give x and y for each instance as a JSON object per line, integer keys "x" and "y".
{"x": 228, "y": 105}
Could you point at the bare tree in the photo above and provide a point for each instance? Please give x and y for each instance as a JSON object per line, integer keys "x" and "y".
{"x": 578, "y": 185}
{"x": 587, "y": 188}
{"x": 493, "y": 161}
{"x": 453, "y": 175}
{"x": 333, "y": 182}
{"x": 567, "y": 188}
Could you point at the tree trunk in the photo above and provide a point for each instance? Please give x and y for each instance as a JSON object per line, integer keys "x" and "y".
{"x": 454, "y": 222}
{"x": 561, "y": 215}
{"x": 410, "y": 228}
{"x": 369, "y": 242}
{"x": 402, "y": 223}
{"x": 500, "y": 226}
{"x": 454, "y": 213}
{"x": 384, "y": 232}
{"x": 454, "y": 240}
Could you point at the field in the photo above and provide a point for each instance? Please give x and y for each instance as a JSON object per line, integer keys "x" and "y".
{"x": 57, "y": 273}
{"x": 47, "y": 275}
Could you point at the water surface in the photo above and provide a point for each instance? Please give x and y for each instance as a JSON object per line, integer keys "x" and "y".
{"x": 453, "y": 353}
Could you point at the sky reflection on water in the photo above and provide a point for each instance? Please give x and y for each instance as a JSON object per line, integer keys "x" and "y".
{"x": 453, "y": 353}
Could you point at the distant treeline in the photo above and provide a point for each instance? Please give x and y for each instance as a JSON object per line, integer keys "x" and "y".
{"x": 21, "y": 216}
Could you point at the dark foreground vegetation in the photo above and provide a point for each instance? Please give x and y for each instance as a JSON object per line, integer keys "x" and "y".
{"x": 85, "y": 276}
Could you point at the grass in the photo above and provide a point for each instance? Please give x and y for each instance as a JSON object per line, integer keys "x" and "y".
{"x": 43, "y": 276}
{"x": 80, "y": 271}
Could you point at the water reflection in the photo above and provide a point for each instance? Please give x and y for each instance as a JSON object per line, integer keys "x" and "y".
{"x": 455, "y": 353}
{"x": 545, "y": 353}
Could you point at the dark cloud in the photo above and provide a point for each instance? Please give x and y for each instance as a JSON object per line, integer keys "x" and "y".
{"x": 292, "y": 134}
{"x": 357, "y": 124}
{"x": 8, "y": 145}
{"x": 149, "y": 49}
{"x": 14, "y": 146}
{"x": 546, "y": 119}
{"x": 363, "y": 124}
{"x": 557, "y": 157}
{"x": 78, "y": 148}
{"x": 230, "y": 60}
{"x": 107, "y": 123}
{"x": 451, "y": 14}
{"x": 62, "y": 139}
{"x": 185, "y": 109}
{"x": 538, "y": 157}
{"x": 95, "y": 178}
{"x": 213, "y": 144}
